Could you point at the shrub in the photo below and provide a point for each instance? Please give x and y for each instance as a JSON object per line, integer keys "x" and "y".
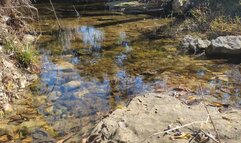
{"x": 219, "y": 17}
{"x": 226, "y": 26}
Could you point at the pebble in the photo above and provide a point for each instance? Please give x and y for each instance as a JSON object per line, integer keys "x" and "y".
{"x": 7, "y": 108}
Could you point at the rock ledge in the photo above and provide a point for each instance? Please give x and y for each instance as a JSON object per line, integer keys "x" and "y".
{"x": 154, "y": 113}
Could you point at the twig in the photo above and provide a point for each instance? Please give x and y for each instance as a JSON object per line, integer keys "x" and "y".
{"x": 55, "y": 14}
{"x": 210, "y": 136}
{"x": 77, "y": 13}
{"x": 194, "y": 136}
{"x": 179, "y": 127}
{"x": 66, "y": 138}
{"x": 214, "y": 127}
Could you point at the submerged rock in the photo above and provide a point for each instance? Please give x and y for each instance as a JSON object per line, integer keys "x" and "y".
{"x": 225, "y": 46}
{"x": 55, "y": 95}
{"x": 81, "y": 93}
{"x": 155, "y": 113}
{"x": 65, "y": 66}
{"x": 73, "y": 84}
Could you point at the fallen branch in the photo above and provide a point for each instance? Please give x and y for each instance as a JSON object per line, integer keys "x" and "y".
{"x": 206, "y": 108}
{"x": 55, "y": 14}
{"x": 179, "y": 127}
{"x": 210, "y": 136}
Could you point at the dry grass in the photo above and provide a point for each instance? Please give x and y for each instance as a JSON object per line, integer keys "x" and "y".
{"x": 226, "y": 25}
{"x": 214, "y": 18}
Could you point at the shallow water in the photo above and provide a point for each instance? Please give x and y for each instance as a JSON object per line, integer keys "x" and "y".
{"x": 97, "y": 63}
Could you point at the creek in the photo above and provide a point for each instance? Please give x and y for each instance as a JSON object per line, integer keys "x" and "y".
{"x": 101, "y": 59}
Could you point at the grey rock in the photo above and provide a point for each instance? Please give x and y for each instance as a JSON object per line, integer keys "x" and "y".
{"x": 40, "y": 135}
{"x": 179, "y": 6}
{"x": 32, "y": 77}
{"x": 73, "y": 84}
{"x": 7, "y": 64}
{"x": 1, "y": 48}
{"x": 139, "y": 121}
{"x": 53, "y": 96}
{"x": 22, "y": 82}
{"x": 194, "y": 43}
{"x": 28, "y": 39}
{"x": 225, "y": 45}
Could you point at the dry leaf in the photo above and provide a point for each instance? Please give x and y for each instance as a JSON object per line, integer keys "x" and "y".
{"x": 185, "y": 136}
{"x": 215, "y": 104}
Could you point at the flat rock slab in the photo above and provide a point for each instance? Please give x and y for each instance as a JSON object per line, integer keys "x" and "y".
{"x": 225, "y": 45}
{"x": 153, "y": 113}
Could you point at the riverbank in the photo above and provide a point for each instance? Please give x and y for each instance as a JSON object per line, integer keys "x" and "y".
{"x": 19, "y": 118}
{"x": 16, "y": 54}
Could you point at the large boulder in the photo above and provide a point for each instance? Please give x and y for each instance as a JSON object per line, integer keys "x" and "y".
{"x": 225, "y": 46}
{"x": 154, "y": 113}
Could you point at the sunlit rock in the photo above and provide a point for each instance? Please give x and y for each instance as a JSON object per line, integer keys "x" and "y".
{"x": 195, "y": 44}
{"x": 225, "y": 45}
{"x": 28, "y": 39}
{"x": 73, "y": 84}
{"x": 7, "y": 108}
{"x": 179, "y": 6}
{"x": 147, "y": 117}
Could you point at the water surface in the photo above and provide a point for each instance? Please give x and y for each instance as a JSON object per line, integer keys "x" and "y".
{"x": 100, "y": 60}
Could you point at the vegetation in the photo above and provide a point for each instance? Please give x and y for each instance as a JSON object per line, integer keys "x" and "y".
{"x": 218, "y": 17}
{"x": 14, "y": 14}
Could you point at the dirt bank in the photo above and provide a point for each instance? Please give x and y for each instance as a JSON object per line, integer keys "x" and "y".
{"x": 15, "y": 53}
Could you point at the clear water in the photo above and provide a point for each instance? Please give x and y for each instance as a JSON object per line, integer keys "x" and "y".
{"x": 99, "y": 61}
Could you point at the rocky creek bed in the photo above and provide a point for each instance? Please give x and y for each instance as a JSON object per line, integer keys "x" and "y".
{"x": 98, "y": 62}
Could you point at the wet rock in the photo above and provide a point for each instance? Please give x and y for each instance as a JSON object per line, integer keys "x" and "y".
{"x": 156, "y": 112}
{"x": 73, "y": 84}
{"x": 195, "y": 44}
{"x": 40, "y": 100}
{"x": 39, "y": 134}
{"x": 80, "y": 94}
{"x": 224, "y": 46}
{"x": 42, "y": 136}
{"x": 33, "y": 124}
{"x": 65, "y": 66}
{"x": 53, "y": 96}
